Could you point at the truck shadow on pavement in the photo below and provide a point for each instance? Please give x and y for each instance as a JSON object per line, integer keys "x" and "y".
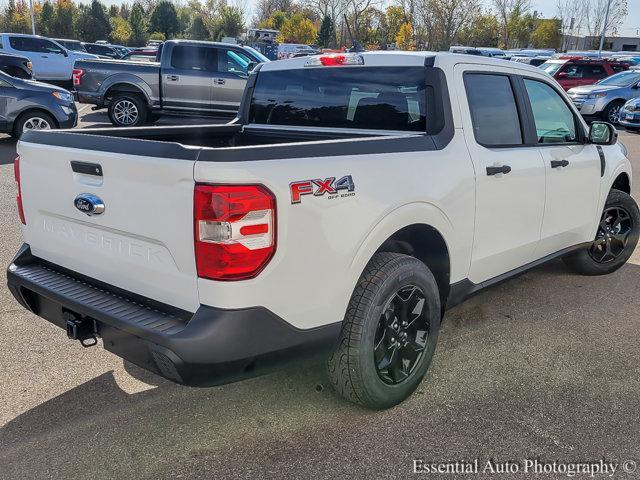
{"x": 528, "y": 367}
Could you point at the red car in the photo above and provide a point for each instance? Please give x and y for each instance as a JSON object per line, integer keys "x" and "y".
{"x": 574, "y": 72}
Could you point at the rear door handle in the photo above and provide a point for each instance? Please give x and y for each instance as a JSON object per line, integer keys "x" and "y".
{"x": 497, "y": 170}
{"x": 219, "y": 81}
{"x": 173, "y": 78}
{"x": 559, "y": 163}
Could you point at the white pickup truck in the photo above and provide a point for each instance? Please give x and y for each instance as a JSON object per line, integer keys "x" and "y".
{"x": 353, "y": 200}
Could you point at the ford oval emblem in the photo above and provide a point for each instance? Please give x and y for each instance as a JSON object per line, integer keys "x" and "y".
{"x": 89, "y": 203}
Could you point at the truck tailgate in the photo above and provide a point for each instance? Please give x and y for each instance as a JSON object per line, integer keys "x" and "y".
{"x": 142, "y": 242}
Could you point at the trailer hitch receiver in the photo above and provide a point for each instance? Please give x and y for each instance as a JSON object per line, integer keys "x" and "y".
{"x": 80, "y": 328}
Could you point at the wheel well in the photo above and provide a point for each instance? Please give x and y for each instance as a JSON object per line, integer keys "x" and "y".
{"x": 123, "y": 88}
{"x": 427, "y": 245}
{"x": 622, "y": 183}
{"x": 33, "y": 110}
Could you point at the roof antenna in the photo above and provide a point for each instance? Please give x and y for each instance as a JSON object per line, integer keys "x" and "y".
{"x": 357, "y": 46}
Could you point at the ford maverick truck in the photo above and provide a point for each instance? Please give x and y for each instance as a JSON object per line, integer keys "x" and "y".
{"x": 353, "y": 200}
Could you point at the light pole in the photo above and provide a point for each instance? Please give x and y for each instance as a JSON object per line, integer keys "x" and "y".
{"x": 604, "y": 29}
{"x": 33, "y": 18}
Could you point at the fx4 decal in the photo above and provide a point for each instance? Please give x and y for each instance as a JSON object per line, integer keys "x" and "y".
{"x": 334, "y": 188}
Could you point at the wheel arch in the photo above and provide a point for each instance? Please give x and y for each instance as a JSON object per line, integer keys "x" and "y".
{"x": 622, "y": 182}
{"x": 421, "y": 230}
{"x": 125, "y": 85}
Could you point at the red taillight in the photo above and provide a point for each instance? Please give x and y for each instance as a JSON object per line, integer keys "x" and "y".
{"x": 16, "y": 174}
{"x": 235, "y": 230}
{"x": 77, "y": 76}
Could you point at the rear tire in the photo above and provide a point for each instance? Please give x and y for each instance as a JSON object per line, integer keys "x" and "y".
{"x": 616, "y": 238}
{"x": 389, "y": 333}
{"x": 127, "y": 110}
{"x": 33, "y": 120}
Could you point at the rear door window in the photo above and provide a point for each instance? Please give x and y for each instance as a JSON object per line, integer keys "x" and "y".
{"x": 594, "y": 71}
{"x": 187, "y": 57}
{"x": 381, "y": 98}
{"x": 494, "y": 113}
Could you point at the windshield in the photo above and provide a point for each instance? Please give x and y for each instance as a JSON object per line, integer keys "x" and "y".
{"x": 551, "y": 68}
{"x": 621, "y": 79}
{"x": 383, "y": 98}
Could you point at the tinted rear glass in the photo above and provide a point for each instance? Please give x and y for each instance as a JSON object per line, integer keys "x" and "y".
{"x": 384, "y": 98}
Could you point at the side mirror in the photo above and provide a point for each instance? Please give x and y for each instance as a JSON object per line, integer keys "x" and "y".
{"x": 251, "y": 66}
{"x": 603, "y": 133}
{"x": 65, "y": 53}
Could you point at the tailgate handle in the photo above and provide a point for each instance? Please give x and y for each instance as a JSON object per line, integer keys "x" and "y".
{"x": 87, "y": 168}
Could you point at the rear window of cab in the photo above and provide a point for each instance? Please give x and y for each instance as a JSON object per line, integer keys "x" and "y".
{"x": 381, "y": 98}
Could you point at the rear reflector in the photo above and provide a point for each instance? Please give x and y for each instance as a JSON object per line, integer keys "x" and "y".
{"x": 234, "y": 229}
{"x": 16, "y": 174}
{"x": 334, "y": 60}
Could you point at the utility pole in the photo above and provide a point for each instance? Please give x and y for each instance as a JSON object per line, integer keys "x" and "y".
{"x": 604, "y": 29}
{"x": 33, "y": 18}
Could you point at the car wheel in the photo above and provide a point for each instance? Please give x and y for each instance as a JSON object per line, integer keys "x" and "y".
{"x": 389, "y": 333}
{"x": 34, "y": 120}
{"x": 615, "y": 241}
{"x": 127, "y": 110}
{"x": 611, "y": 112}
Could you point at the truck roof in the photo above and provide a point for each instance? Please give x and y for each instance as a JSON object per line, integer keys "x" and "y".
{"x": 389, "y": 58}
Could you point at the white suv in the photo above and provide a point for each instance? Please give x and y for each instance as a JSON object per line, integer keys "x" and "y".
{"x": 51, "y": 61}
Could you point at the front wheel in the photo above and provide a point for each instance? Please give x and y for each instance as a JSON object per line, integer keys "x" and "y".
{"x": 34, "y": 120}
{"x": 615, "y": 241}
{"x": 389, "y": 333}
{"x": 127, "y": 110}
{"x": 612, "y": 111}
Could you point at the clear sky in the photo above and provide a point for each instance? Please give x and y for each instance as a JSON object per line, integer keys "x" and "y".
{"x": 547, "y": 8}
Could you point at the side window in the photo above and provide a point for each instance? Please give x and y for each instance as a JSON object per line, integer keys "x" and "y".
{"x": 615, "y": 68}
{"x": 233, "y": 61}
{"x": 22, "y": 44}
{"x": 46, "y": 46}
{"x": 191, "y": 58}
{"x": 494, "y": 113}
{"x": 553, "y": 118}
{"x": 573, "y": 71}
{"x": 595, "y": 71}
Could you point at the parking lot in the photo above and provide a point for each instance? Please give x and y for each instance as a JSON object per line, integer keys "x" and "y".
{"x": 543, "y": 366}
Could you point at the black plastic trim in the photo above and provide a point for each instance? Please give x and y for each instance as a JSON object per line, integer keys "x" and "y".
{"x": 464, "y": 289}
{"x": 212, "y": 346}
{"x": 86, "y": 168}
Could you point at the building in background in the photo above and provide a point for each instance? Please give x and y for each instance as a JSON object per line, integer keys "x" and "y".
{"x": 613, "y": 44}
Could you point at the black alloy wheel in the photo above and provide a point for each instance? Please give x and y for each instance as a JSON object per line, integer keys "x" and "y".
{"x": 401, "y": 335}
{"x": 613, "y": 234}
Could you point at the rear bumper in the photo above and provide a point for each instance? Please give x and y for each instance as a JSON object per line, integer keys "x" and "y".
{"x": 91, "y": 98}
{"x": 209, "y": 347}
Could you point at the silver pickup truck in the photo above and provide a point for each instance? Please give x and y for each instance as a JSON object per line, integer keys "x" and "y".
{"x": 190, "y": 77}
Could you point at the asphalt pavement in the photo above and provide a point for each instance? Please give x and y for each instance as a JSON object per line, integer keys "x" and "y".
{"x": 544, "y": 366}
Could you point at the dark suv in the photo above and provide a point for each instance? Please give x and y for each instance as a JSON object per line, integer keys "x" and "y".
{"x": 574, "y": 72}
{"x": 15, "y": 65}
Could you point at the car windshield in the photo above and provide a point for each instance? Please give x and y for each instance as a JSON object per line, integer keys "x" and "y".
{"x": 551, "y": 68}
{"x": 621, "y": 79}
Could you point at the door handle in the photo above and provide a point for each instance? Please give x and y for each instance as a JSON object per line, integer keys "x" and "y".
{"x": 497, "y": 170}
{"x": 43, "y": 56}
{"x": 219, "y": 81}
{"x": 173, "y": 78}
{"x": 559, "y": 163}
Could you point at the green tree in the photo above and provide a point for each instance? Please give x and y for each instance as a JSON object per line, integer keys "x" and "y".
{"x": 228, "y": 23}
{"x": 138, "y": 26}
{"x": 120, "y": 30}
{"x": 298, "y": 29}
{"x": 198, "y": 30}
{"x": 547, "y": 34}
{"x": 164, "y": 19}
{"x": 93, "y": 23}
{"x": 157, "y": 36}
{"x": 65, "y": 17}
{"x": 46, "y": 19}
{"x": 327, "y": 34}
{"x": 114, "y": 11}
{"x": 482, "y": 31}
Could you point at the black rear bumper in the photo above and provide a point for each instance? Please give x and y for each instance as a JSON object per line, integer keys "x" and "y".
{"x": 209, "y": 347}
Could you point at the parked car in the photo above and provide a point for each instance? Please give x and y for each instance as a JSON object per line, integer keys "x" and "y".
{"x": 191, "y": 77}
{"x": 25, "y": 105}
{"x": 465, "y": 50}
{"x": 605, "y": 98}
{"x": 142, "y": 54}
{"x": 73, "y": 45}
{"x": 290, "y": 50}
{"x": 355, "y": 198}
{"x": 16, "y": 65}
{"x": 572, "y": 72}
{"x": 50, "y": 60}
{"x": 630, "y": 115}
{"x": 533, "y": 61}
{"x": 104, "y": 51}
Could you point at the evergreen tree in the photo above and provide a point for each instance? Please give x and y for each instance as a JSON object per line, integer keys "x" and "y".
{"x": 164, "y": 19}
{"x": 138, "y": 26}
{"x": 198, "y": 30}
{"x": 46, "y": 19}
{"x": 326, "y": 35}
